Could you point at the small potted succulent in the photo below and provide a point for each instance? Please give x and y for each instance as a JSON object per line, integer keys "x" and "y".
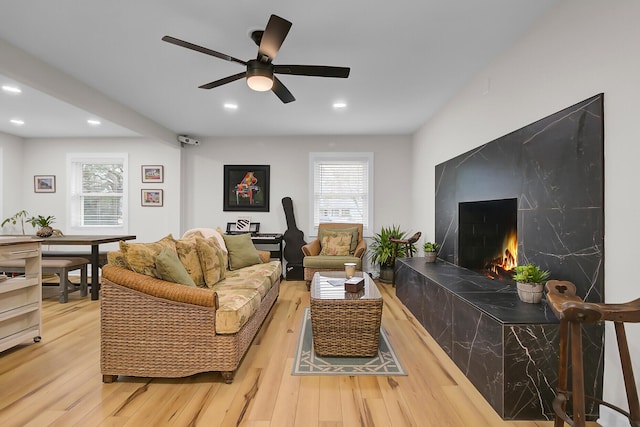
{"x": 44, "y": 223}
{"x": 430, "y": 251}
{"x": 530, "y": 280}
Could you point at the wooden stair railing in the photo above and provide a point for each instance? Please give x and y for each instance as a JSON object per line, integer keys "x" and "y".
{"x": 573, "y": 312}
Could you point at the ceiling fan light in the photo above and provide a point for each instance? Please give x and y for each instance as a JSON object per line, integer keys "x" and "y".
{"x": 260, "y": 83}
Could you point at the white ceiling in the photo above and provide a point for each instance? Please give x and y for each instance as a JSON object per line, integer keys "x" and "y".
{"x": 407, "y": 59}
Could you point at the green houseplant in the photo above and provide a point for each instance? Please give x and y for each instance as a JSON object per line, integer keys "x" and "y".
{"x": 19, "y": 216}
{"x": 430, "y": 251}
{"x": 44, "y": 223}
{"x": 381, "y": 250}
{"x": 530, "y": 280}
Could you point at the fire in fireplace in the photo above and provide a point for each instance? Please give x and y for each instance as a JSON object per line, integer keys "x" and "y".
{"x": 488, "y": 236}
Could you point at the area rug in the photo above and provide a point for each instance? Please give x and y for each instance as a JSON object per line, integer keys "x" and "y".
{"x": 307, "y": 362}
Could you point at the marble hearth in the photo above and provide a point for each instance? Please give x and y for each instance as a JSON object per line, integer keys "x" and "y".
{"x": 507, "y": 348}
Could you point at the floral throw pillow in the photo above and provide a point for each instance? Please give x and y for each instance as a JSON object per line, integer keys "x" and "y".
{"x": 335, "y": 243}
{"x": 141, "y": 257}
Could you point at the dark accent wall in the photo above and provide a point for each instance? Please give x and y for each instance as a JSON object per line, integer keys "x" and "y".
{"x": 555, "y": 168}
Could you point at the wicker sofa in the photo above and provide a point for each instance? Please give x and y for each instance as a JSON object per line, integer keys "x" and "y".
{"x": 155, "y": 328}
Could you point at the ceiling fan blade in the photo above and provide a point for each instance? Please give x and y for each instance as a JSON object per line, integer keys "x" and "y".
{"x": 201, "y": 49}
{"x": 272, "y": 38}
{"x": 313, "y": 70}
{"x": 224, "y": 81}
{"x": 281, "y": 91}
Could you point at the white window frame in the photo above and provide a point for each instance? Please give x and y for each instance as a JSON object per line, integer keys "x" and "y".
{"x": 74, "y": 225}
{"x": 328, "y": 157}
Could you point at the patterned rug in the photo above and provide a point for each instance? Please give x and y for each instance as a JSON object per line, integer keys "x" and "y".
{"x": 307, "y": 362}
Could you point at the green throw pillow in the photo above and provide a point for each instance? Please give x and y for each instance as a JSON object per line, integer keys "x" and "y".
{"x": 171, "y": 269}
{"x": 242, "y": 253}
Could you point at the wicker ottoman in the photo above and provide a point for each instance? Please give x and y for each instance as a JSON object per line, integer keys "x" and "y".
{"x": 345, "y": 323}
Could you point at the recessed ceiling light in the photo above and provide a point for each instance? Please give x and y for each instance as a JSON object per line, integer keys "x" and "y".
{"x": 17, "y": 122}
{"x": 11, "y": 89}
{"x": 94, "y": 122}
{"x": 339, "y": 105}
{"x": 230, "y": 106}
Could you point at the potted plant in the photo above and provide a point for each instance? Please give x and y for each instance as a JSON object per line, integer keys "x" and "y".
{"x": 19, "y": 216}
{"x": 382, "y": 250}
{"x": 431, "y": 251}
{"x": 44, "y": 223}
{"x": 530, "y": 280}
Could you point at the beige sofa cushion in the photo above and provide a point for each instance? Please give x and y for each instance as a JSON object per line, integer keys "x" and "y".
{"x": 235, "y": 307}
{"x": 257, "y": 283}
{"x": 272, "y": 270}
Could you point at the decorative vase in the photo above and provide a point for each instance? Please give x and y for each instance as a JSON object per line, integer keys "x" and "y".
{"x": 530, "y": 292}
{"x": 45, "y": 231}
{"x": 430, "y": 256}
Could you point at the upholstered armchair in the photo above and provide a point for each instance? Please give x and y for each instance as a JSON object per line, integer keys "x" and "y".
{"x": 336, "y": 244}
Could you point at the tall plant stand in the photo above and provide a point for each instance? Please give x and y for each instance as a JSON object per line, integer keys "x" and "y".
{"x": 573, "y": 312}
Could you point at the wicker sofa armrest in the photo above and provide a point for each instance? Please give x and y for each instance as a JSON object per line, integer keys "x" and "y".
{"x": 312, "y": 248}
{"x": 159, "y": 288}
{"x": 360, "y": 249}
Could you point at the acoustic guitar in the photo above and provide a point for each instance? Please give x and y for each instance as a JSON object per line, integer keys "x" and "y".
{"x": 293, "y": 237}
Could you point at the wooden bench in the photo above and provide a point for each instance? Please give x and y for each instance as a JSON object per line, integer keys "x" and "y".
{"x": 68, "y": 254}
{"x": 59, "y": 266}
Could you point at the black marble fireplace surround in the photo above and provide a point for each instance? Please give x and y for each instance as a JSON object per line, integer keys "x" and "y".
{"x": 508, "y": 349}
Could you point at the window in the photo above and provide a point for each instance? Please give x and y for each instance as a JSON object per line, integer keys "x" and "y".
{"x": 341, "y": 188}
{"x": 98, "y": 192}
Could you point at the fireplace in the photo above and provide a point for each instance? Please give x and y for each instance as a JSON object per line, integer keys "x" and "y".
{"x": 488, "y": 237}
{"x": 552, "y": 173}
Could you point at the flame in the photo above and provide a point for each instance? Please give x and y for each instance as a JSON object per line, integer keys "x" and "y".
{"x": 509, "y": 251}
{"x": 507, "y": 259}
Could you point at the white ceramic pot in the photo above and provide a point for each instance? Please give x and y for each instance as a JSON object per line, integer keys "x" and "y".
{"x": 430, "y": 256}
{"x": 530, "y": 292}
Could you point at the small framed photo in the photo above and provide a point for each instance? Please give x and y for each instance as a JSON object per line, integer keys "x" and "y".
{"x": 152, "y": 197}
{"x": 44, "y": 183}
{"x": 152, "y": 173}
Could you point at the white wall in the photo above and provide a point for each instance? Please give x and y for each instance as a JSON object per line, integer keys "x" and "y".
{"x": 11, "y": 148}
{"x": 581, "y": 48}
{"x": 289, "y": 160}
{"x": 49, "y": 157}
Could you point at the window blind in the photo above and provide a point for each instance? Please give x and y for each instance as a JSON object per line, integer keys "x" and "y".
{"x": 341, "y": 191}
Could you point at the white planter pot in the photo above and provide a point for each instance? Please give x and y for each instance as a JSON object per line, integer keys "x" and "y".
{"x": 530, "y": 292}
{"x": 430, "y": 256}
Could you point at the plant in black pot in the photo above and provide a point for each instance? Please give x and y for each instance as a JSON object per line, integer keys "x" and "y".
{"x": 530, "y": 280}
{"x": 383, "y": 252}
{"x": 430, "y": 251}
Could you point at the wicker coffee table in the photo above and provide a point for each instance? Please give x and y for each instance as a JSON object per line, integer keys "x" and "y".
{"x": 345, "y": 323}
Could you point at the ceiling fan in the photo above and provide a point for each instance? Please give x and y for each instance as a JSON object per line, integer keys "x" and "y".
{"x": 260, "y": 71}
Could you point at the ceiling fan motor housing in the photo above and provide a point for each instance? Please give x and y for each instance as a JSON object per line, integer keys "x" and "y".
{"x": 259, "y": 75}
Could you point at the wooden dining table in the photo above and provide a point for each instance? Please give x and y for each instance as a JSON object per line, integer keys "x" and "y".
{"x": 88, "y": 240}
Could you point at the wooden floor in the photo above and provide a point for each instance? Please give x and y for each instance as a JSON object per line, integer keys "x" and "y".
{"x": 57, "y": 382}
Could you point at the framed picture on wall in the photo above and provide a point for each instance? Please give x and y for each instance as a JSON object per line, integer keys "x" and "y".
{"x": 44, "y": 183}
{"x": 152, "y": 197}
{"x": 246, "y": 188}
{"x": 153, "y": 173}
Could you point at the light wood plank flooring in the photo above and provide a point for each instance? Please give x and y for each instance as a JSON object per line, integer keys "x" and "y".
{"x": 57, "y": 382}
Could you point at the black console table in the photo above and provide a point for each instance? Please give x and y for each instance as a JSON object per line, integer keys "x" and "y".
{"x": 505, "y": 347}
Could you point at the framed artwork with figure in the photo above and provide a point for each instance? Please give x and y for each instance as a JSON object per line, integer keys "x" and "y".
{"x": 246, "y": 188}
